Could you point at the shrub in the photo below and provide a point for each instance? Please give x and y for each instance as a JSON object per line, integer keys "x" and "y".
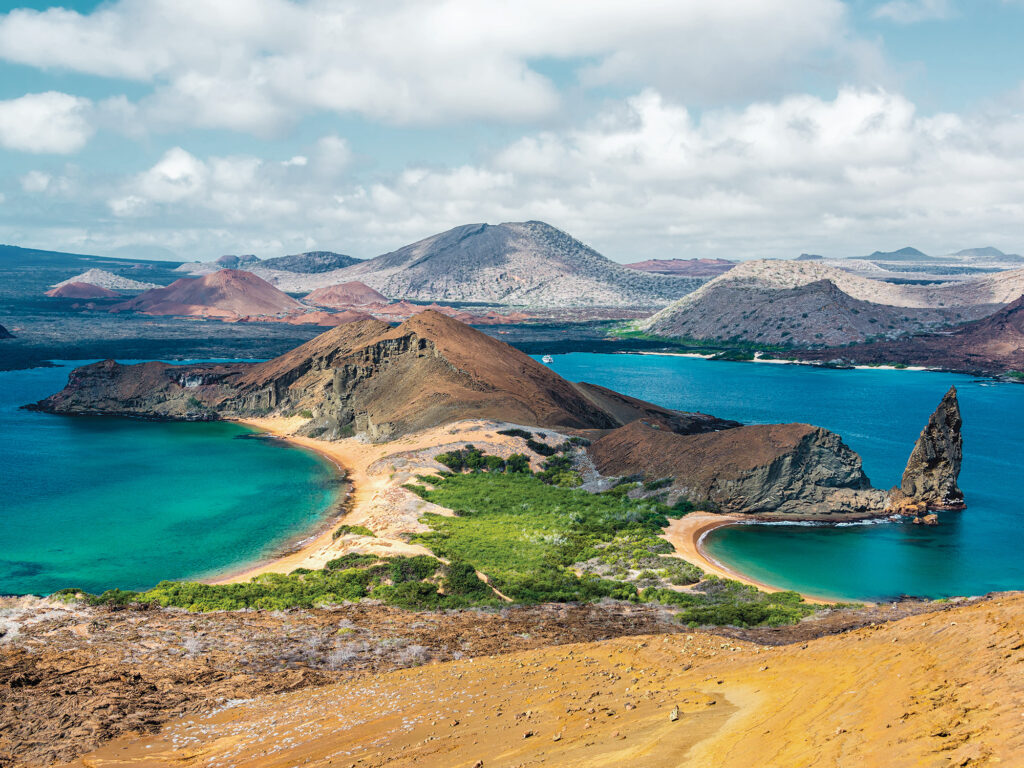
{"x": 358, "y": 530}
{"x": 516, "y": 433}
{"x": 306, "y": 413}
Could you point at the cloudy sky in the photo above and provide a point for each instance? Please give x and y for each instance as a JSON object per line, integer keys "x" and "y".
{"x": 646, "y": 128}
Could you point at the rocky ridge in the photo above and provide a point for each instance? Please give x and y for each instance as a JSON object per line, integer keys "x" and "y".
{"x": 311, "y": 262}
{"x": 790, "y": 470}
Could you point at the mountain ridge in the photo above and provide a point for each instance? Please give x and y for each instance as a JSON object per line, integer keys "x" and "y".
{"x": 529, "y": 264}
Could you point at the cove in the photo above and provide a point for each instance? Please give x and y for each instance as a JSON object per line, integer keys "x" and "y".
{"x": 98, "y": 503}
{"x": 879, "y": 413}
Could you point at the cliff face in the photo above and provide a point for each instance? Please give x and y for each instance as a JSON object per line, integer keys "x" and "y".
{"x": 934, "y": 466}
{"x": 770, "y": 469}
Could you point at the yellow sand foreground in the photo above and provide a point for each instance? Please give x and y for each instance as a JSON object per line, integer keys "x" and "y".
{"x": 940, "y": 689}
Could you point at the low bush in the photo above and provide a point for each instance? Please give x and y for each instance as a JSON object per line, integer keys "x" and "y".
{"x": 358, "y": 530}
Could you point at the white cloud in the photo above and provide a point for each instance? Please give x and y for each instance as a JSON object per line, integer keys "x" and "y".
{"x": 35, "y": 181}
{"x": 913, "y": 11}
{"x": 259, "y": 65}
{"x": 645, "y": 178}
{"x": 48, "y": 122}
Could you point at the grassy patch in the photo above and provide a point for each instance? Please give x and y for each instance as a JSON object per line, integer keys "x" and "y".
{"x": 358, "y": 530}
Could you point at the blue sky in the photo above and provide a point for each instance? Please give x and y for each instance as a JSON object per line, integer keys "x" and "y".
{"x": 755, "y": 128}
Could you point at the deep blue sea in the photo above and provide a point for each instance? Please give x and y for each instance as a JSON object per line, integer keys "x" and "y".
{"x": 96, "y": 503}
{"x": 879, "y": 414}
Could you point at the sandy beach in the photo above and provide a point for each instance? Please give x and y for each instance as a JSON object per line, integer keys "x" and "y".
{"x": 687, "y": 533}
{"x": 377, "y": 500}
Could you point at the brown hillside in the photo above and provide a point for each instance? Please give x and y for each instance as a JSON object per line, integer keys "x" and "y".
{"x": 991, "y": 345}
{"x": 345, "y": 295}
{"x": 934, "y": 690}
{"x": 81, "y": 291}
{"x": 368, "y": 377}
{"x": 227, "y": 293}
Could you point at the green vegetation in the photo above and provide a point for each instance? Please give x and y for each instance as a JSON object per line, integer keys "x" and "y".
{"x": 406, "y": 582}
{"x": 306, "y": 413}
{"x": 358, "y": 530}
{"x": 535, "y": 536}
{"x": 516, "y": 433}
{"x": 473, "y": 459}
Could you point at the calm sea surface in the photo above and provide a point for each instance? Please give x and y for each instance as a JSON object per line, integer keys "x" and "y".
{"x": 100, "y": 502}
{"x": 879, "y": 414}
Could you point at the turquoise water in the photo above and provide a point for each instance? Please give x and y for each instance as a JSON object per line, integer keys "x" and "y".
{"x": 879, "y": 414}
{"x": 100, "y": 502}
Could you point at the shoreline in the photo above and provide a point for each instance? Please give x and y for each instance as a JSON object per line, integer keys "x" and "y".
{"x": 687, "y": 535}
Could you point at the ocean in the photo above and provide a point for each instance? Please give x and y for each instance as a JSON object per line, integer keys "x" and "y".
{"x": 97, "y": 503}
{"x": 878, "y": 413}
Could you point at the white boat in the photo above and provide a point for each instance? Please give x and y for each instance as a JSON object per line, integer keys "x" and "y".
{"x": 547, "y": 359}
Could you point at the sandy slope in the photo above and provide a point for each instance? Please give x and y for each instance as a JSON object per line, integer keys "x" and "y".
{"x": 942, "y": 689}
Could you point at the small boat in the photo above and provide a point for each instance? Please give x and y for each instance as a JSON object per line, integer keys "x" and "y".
{"x": 547, "y": 359}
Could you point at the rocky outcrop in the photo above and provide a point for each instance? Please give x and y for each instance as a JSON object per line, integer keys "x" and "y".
{"x": 5, "y": 334}
{"x": 787, "y": 470}
{"x": 934, "y": 466}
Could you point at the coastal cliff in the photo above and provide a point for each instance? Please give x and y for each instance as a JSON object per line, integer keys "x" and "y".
{"x": 793, "y": 470}
{"x": 934, "y": 465}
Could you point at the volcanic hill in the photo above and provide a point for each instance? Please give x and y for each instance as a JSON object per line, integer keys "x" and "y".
{"x": 81, "y": 291}
{"x": 227, "y": 294}
{"x": 528, "y": 264}
{"x": 809, "y": 303}
{"x": 345, "y": 295}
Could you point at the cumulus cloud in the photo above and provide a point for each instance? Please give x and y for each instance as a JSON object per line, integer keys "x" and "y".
{"x": 646, "y": 177}
{"x": 258, "y": 65}
{"x": 913, "y": 11}
{"x": 50, "y": 122}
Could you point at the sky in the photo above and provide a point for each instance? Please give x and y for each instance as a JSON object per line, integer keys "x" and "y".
{"x": 745, "y": 129}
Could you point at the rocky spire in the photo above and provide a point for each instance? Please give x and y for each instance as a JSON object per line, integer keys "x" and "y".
{"x": 934, "y": 465}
